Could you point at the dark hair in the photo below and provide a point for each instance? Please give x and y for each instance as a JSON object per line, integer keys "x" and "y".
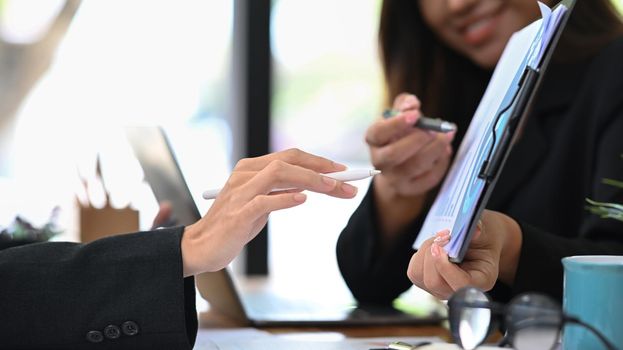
{"x": 592, "y": 25}
{"x": 414, "y": 60}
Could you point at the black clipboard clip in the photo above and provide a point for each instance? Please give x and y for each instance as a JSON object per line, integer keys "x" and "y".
{"x": 491, "y": 165}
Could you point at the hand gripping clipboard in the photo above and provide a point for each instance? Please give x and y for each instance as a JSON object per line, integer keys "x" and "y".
{"x": 495, "y": 127}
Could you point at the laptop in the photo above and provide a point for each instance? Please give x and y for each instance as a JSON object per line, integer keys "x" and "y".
{"x": 261, "y": 306}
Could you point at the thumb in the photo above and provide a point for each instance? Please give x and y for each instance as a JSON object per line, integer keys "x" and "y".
{"x": 477, "y": 237}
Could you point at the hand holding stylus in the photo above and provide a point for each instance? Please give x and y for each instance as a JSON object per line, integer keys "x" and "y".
{"x": 346, "y": 175}
{"x": 243, "y": 205}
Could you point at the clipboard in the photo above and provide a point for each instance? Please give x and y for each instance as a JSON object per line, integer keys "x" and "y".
{"x": 496, "y": 125}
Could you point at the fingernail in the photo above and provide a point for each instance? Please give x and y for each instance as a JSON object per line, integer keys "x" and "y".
{"x": 443, "y": 233}
{"x": 479, "y": 225}
{"x": 299, "y": 197}
{"x": 442, "y": 241}
{"x": 339, "y": 166}
{"x": 407, "y": 102}
{"x": 329, "y": 181}
{"x": 349, "y": 189}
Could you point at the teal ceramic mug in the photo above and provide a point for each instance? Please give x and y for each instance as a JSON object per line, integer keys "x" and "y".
{"x": 593, "y": 292}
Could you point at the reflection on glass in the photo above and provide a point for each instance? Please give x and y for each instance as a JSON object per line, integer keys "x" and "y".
{"x": 474, "y": 323}
{"x": 536, "y": 320}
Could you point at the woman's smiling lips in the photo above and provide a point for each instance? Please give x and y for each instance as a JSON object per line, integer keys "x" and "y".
{"x": 479, "y": 28}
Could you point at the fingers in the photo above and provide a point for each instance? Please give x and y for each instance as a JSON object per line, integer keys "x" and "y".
{"x": 292, "y": 156}
{"x": 292, "y": 168}
{"x": 422, "y": 149}
{"x": 452, "y": 275}
{"x": 384, "y": 131}
{"x": 406, "y": 101}
{"x": 431, "y": 153}
{"x": 415, "y": 166}
{"x": 243, "y": 205}
{"x": 416, "y": 270}
{"x": 428, "y": 180}
{"x": 261, "y": 205}
{"x": 434, "y": 280}
{"x": 279, "y": 174}
{"x": 398, "y": 152}
{"x": 416, "y": 160}
{"x": 431, "y": 270}
{"x": 423, "y": 274}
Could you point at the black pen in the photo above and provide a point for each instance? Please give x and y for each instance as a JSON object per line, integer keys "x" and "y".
{"x": 425, "y": 123}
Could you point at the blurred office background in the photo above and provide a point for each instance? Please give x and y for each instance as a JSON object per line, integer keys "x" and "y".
{"x": 225, "y": 78}
{"x": 73, "y": 73}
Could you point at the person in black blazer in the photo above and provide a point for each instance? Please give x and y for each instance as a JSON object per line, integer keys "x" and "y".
{"x": 136, "y": 291}
{"x": 572, "y": 140}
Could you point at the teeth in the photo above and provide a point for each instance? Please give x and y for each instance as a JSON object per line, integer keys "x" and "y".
{"x": 477, "y": 25}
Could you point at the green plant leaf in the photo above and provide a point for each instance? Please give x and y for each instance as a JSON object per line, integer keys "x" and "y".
{"x": 615, "y": 206}
{"x": 605, "y": 210}
{"x": 612, "y": 182}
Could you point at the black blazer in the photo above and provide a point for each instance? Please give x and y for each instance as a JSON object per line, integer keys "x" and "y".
{"x": 572, "y": 140}
{"x": 121, "y": 292}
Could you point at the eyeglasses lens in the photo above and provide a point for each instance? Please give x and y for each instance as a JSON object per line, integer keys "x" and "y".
{"x": 534, "y": 322}
{"x": 469, "y": 325}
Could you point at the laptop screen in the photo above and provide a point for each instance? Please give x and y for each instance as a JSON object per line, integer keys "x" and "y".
{"x": 162, "y": 172}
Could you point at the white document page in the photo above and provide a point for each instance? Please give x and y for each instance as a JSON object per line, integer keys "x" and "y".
{"x": 458, "y": 198}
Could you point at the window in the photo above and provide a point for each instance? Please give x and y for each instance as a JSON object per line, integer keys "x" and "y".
{"x": 123, "y": 62}
{"x": 327, "y": 89}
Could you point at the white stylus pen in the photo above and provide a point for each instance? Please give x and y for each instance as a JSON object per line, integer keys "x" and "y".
{"x": 346, "y": 175}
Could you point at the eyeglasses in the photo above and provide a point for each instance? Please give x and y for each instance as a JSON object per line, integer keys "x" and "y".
{"x": 533, "y": 321}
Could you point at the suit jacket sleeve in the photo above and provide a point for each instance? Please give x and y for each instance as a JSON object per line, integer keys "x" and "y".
{"x": 121, "y": 292}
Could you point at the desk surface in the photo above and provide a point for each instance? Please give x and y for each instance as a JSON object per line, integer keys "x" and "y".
{"x": 214, "y": 319}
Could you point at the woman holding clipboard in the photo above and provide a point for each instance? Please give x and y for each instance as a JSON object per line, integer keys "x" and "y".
{"x": 442, "y": 53}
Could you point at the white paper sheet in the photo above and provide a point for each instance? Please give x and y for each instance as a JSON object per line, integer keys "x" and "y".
{"x": 251, "y": 339}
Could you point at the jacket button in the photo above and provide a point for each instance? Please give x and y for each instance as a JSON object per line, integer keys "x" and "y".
{"x": 129, "y": 328}
{"x": 112, "y": 332}
{"x": 95, "y": 336}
